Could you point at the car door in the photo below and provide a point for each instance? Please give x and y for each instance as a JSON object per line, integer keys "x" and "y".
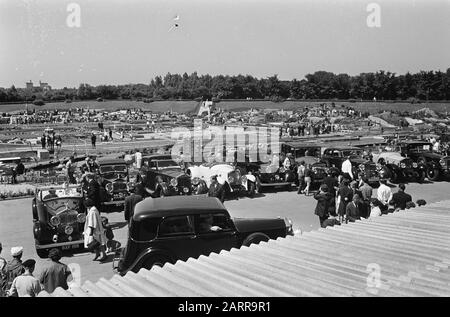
{"x": 224, "y": 237}
{"x": 176, "y": 235}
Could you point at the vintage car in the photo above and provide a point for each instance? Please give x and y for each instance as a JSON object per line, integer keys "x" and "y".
{"x": 165, "y": 175}
{"x": 113, "y": 174}
{"x": 58, "y": 218}
{"x": 420, "y": 152}
{"x": 181, "y": 227}
{"x": 395, "y": 167}
{"x": 309, "y": 154}
{"x": 361, "y": 166}
{"x": 234, "y": 178}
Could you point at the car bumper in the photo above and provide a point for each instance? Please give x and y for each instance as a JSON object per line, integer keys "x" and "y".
{"x": 276, "y": 184}
{"x": 60, "y": 244}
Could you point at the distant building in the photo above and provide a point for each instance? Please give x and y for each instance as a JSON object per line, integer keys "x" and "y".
{"x": 29, "y": 85}
{"x": 44, "y": 86}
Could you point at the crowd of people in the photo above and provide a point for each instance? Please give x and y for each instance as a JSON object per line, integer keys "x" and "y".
{"x": 17, "y": 277}
{"x": 342, "y": 199}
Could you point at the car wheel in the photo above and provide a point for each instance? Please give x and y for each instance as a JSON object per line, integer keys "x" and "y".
{"x": 156, "y": 260}
{"x": 42, "y": 253}
{"x": 255, "y": 238}
{"x": 251, "y": 189}
{"x": 34, "y": 209}
{"x": 433, "y": 174}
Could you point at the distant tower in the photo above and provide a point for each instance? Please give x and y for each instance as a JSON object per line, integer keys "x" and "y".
{"x": 29, "y": 85}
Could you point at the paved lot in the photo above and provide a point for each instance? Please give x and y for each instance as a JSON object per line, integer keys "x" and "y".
{"x": 16, "y": 222}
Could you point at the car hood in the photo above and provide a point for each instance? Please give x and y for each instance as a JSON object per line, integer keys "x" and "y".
{"x": 258, "y": 224}
{"x": 433, "y": 156}
{"x": 172, "y": 172}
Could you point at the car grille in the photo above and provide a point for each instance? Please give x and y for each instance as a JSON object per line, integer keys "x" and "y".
{"x": 68, "y": 217}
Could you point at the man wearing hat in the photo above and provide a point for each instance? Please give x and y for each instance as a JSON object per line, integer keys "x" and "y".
{"x": 216, "y": 189}
{"x": 384, "y": 195}
{"x": 400, "y": 198}
{"x": 347, "y": 167}
{"x": 51, "y": 194}
{"x": 14, "y": 267}
{"x": 26, "y": 285}
{"x": 93, "y": 189}
{"x": 130, "y": 202}
{"x": 55, "y": 274}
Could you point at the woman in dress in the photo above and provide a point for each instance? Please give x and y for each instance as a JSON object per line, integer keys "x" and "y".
{"x": 93, "y": 229}
{"x": 308, "y": 174}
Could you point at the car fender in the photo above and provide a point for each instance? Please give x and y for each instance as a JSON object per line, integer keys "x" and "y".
{"x": 140, "y": 259}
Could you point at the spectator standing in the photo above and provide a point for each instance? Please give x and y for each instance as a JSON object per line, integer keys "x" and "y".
{"x": 308, "y": 175}
{"x": 400, "y": 198}
{"x": 93, "y": 189}
{"x": 93, "y": 230}
{"x": 324, "y": 202}
{"x": 366, "y": 192}
{"x": 216, "y": 189}
{"x": 331, "y": 182}
{"x": 138, "y": 158}
{"x": 110, "y": 134}
{"x": 347, "y": 167}
{"x": 70, "y": 170}
{"x": 301, "y": 177}
{"x": 43, "y": 139}
{"x": 352, "y": 209}
{"x": 25, "y": 285}
{"x": 14, "y": 267}
{"x": 375, "y": 210}
{"x": 344, "y": 196}
{"x": 384, "y": 195}
{"x": 130, "y": 203}
{"x": 55, "y": 274}
{"x": 93, "y": 139}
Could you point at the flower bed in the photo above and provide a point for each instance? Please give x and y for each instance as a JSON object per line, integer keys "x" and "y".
{"x": 8, "y": 191}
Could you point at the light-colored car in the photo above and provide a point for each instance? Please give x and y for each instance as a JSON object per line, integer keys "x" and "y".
{"x": 395, "y": 167}
{"x": 234, "y": 179}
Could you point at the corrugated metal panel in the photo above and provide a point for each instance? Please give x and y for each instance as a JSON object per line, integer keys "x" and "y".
{"x": 410, "y": 248}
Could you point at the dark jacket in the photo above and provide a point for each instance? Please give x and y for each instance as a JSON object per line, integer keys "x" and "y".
{"x": 400, "y": 199}
{"x": 14, "y": 268}
{"x": 324, "y": 202}
{"x": 331, "y": 182}
{"x": 130, "y": 202}
{"x": 344, "y": 192}
{"x": 352, "y": 212}
{"x": 93, "y": 192}
{"x": 217, "y": 190}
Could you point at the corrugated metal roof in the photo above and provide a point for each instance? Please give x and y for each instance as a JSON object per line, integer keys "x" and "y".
{"x": 409, "y": 249}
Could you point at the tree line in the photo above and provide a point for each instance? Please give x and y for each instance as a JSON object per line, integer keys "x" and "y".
{"x": 382, "y": 85}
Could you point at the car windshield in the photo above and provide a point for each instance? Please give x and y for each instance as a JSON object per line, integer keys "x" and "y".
{"x": 49, "y": 194}
{"x": 352, "y": 153}
{"x": 113, "y": 168}
{"x": 425, "y": 147}
{"x": 167, "y": 163}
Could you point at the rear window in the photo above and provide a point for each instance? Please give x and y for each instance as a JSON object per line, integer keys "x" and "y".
{"x": 213, "y": 222}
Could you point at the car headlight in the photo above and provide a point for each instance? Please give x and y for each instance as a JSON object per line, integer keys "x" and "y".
{"x": 402, "y": 165}
{"x": 442, "y": 162}
{"x": 81, "y": 217}
{"x": 55, "y": 221}
{"x": 415, "y": 165}
{"x": 68, "y": 230}
{"x": 230, "y": 179}
{"x": 185, "y": 190}
{"x": 109, "y": 187}
{"x": 277, "y": 177}
{"x": 362, "y": 167}
{"x": 174, "y": 182}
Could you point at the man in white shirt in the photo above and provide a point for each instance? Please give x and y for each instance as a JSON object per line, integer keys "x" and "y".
{"x": 347, "y": 167}
{"x": 384, "y": 195}
{"x": 26, "y": 285}
{"x": 138, "y": 158}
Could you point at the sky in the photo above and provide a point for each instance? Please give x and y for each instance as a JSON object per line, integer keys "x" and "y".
{"x": 132, "y": 41}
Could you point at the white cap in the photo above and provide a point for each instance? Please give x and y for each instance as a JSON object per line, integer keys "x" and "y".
{"x": 16, "y": 251}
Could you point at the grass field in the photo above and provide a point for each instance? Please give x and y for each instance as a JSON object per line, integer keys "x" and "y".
{"x": 189, "y": 106}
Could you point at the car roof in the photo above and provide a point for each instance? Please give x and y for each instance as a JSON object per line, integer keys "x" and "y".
{"x": 303, "y": 145}
{"x": 414, "y": 142}
{"x": 107, "y": 161}
{"x": 176, "y": 205}
{"x": 158, "y": 157}
{"x": 343, "y": 148}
